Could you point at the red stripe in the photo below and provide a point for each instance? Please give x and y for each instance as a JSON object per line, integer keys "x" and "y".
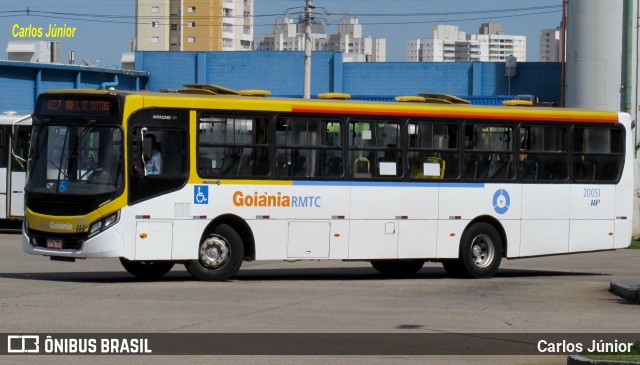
{"x": 457, "y": 115}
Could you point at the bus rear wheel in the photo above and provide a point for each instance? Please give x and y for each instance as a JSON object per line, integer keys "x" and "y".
{"x": 480, "y": 252}
{"x": 220, "y": 255}
{"x": 397, "y": 267}
{"x": 146, "y": 270}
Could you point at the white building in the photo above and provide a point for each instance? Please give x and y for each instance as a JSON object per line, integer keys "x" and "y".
{"x": 34, "y": 51}
{"x": 288, "y": 35}
{"x": 449, "y": 44}
{"x": 550, "y": 45}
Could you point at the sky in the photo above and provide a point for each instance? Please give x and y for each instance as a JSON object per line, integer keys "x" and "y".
{"x": 105, "y": 28}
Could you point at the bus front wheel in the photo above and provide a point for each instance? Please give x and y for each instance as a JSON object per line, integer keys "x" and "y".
{"x": 480, "y": 252}
{"x": 397, "y": 267}
{"x": 220, "y": 255}
{"x": 146, "y": 270}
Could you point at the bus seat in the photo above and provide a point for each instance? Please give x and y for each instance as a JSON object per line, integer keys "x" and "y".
{"x": 417, "y": 167}
{"x": 498, "y": 169}
{"x": 204, "y": 165}
{"x": 299, "y": 166}
{"x": 529, "y": 170}
{"x": 231, "y": 162}
{"x": 587, "y": 170}
{"x": 245, "y": 167}
{"x": 282, "y": 162}
{"x": 471, "y": 170}
{"x": 334, "y": 167}
{"x": 482, "y": 169}
{"x": 361, "y": 167}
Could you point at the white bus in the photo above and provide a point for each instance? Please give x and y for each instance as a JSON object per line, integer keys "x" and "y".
{"x": 15, "y": 132}
{"x": 246, "y": 178}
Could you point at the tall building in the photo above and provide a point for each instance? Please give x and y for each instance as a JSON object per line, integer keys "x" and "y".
{"x": 288, "y": 35}
{"x": 449, "y": 44}
{"x": 194, "y": 25}
{"x": 550, "y": 45}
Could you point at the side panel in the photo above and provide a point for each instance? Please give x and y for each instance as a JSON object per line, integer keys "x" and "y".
{"x": 449, "y": 234}
{"x": 545, "y": 219}
{"x": 417, "y": 238}
{"x": 373, "y": 239}
{"x": 592, "y": 217}
{"x": 308, "y": 240}
{"x": 393, "y": 220}
{"x": 154, "y": 240}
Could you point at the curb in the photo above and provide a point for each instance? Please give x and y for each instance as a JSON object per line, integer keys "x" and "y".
{"x": 627, "y": 288}
{"x": 579, "y": 360}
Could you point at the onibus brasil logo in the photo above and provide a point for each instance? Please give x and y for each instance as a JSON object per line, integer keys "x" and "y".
{"x": 501, "y": 201}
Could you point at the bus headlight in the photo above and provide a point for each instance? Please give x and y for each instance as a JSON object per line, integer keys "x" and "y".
{"x": 110, "y": 220}
{"x": 95, "y": 228}
{"x": 103, "y": 224}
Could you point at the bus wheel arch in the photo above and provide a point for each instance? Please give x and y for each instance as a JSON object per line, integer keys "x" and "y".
{"x": 497, "y": 225}
{"x": 240, "y": 226}
{"x": 481, "y": 249}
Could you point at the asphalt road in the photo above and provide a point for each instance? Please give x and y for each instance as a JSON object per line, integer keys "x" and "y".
{"x": 561, "y": 294}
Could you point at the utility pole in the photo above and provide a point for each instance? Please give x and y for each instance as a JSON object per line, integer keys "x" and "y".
{"x": 307, "y": 50}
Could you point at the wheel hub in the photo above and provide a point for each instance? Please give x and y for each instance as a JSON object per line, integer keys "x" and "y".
{"x": 214, "y": 252}
{"x": 482, "y": 251}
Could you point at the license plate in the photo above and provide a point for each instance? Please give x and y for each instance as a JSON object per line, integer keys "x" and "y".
{"x": 55, "y": 244}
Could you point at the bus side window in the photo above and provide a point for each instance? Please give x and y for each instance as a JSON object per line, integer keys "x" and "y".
{"x": 308, "y": 147}
{"x": 232, "y": 146}
{"x": 598, "y": 153}
{"x": 433, "y": 150}
{"x": 543, "y": 153}
{"x": 489, "y": 152}
{"x": 375, "y": 149}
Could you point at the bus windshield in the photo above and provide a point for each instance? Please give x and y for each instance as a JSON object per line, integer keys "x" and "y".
{"x": 76, "y": 159}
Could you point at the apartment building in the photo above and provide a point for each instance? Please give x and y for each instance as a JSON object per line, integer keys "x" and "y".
{"x": 288, "y": 35}
{"x": 449, "y": 44}
{"x": 194, "y": 25}
{"x": 550, "y": 45}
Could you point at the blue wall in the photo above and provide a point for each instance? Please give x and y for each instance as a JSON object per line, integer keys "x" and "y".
{"x": 21, "y": 82}
{"x": 279, "y": 72}
{"x": 282, "y": 74}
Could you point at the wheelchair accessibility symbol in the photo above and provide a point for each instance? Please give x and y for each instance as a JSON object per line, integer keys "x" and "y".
{"x": 62, "y": 186}
{"x": 501, "y": 201}
{"x": 201, "y": 194}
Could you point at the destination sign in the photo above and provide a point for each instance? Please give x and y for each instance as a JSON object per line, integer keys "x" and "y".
{"x": 77, "y": 106}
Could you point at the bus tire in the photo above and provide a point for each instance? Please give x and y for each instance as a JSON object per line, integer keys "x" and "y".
{"x": 397, "y": 267}
{"x": 146, "y": 270}
{"x": 220, "y": 255}
{"x": 480, "y": 250}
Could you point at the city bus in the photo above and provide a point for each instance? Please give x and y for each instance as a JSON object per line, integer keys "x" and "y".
{"x": 254, "y": 178}
{"x": 15, "y": 132}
